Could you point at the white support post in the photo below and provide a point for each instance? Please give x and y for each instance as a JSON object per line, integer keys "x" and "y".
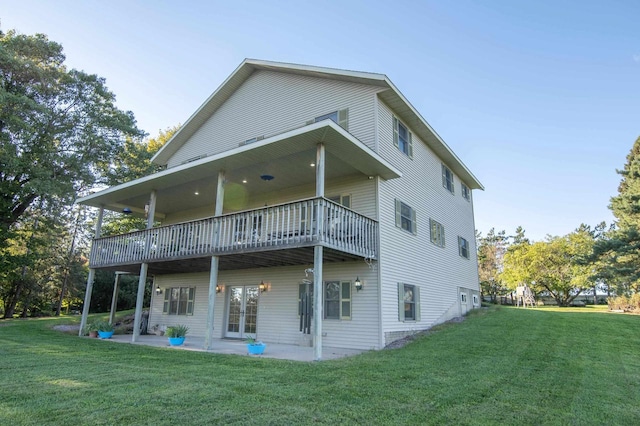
{"x": 137, "y": 319}
{"x": 90, "y": 278}
{"x": 139, "y": 301}
{"x": 317, "y": 258}
{"x": 114, "y": 298}
{"x": 213, "y": 274}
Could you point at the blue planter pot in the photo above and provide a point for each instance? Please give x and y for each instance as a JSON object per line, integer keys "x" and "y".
{"x": 256, "y": 348}
{"x": 176, "y": 341}
{"x": 105, "y": 334}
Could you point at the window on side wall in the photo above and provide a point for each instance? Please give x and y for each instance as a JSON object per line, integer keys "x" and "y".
{"x": 437, "y": 233}
{"x": 463, "y": 298}
{"x": 476, "y": 300}
{"x": 406, "y": 217}
{"x": 408, "y": 302}
{"x": 463, "y": 247}
{"x": 466, "y": 192}
{"x": 402, "y": 138}
{"x": 447, "y": 179}
{"x": 337, "y": 300}
{"x": 179, "y": 301}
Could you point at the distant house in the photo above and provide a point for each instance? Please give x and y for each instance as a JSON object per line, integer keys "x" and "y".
{"x": 307, "y": 205}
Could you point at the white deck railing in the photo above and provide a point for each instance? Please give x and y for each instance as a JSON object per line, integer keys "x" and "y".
{"x": 290, "y": 225}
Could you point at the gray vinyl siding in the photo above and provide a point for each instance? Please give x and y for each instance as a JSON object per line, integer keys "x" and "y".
{"x": 270, "y": 103}
{"x": 278, "y": 320}
{"x": 413, "y": 259}
{"x": 361, "y": 189}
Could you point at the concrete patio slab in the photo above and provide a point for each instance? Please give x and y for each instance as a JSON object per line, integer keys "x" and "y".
{"x": 239, "y": 347}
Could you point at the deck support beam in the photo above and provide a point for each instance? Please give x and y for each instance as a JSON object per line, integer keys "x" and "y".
{"x": 213, "y": 274}
{"x": 90, "y": 278}
{"x": 317, "y": 258}
{"x": 114, "y": 298}
{"x": 137, "y": 320}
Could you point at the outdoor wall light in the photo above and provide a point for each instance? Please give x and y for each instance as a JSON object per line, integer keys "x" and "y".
{"x": 158, "y": 290}
{"x": 262, "y": 287}
{"x": 218, "y": 288}
{"x": 358, "y": 284}
{"x": 126, "y": 210}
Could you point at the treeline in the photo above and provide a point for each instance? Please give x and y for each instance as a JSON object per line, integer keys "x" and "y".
{"x": 61, "y": 135}
{"x": 603, "y": 259}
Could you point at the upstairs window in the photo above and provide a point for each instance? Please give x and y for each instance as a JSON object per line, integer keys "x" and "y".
{"x": 341, "y": 118}
{"x": 402, "y": 138}
{"x": 463, "y": 247}
{"x": 406, "y": 217}
{"x": 447, "y": 179}
{"x": 344, "y": 200}
{"x": 466, "y": 192}
{"x": 437, "y": 233}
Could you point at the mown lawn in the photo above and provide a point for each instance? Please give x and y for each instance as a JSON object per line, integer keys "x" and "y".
{"x": 499, "y": 366}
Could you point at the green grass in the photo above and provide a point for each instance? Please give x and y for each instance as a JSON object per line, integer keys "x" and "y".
{"x": 500, "y": 366}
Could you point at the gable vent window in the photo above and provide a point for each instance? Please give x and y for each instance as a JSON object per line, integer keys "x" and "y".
{"x": 250, "y": 141}
{"x": 341, "y": 118}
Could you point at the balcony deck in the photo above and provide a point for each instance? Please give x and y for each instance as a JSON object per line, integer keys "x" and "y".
{"x": 279, "y": 235}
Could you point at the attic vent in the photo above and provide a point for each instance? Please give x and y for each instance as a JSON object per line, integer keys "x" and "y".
{"x": 194, "y": 159}
{"x": 252, "y": 140}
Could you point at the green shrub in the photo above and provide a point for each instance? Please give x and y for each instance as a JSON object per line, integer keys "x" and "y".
{"x": 177, "y": 331}
{"x": 102, "y": 326}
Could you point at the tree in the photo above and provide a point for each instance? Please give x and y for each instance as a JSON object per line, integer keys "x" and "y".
{"x": 559, "y": 265}
{"x": 491, "y": 251}
{"x": 59, "y": 128}
{"x": 619, "y": 250}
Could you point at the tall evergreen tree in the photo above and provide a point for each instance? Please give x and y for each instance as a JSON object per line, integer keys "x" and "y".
{"x": 619, "y": 251}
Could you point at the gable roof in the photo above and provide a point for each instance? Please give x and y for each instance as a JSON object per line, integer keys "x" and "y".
{"x": 392, "y": 97}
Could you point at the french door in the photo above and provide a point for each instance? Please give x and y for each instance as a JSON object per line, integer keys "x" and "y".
{"x": 242, "y": 311}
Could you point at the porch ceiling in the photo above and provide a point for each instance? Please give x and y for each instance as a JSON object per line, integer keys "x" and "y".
{"x": 286, "y": 157}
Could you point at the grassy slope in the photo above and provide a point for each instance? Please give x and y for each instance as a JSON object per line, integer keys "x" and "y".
{"x": 506, "y": 366}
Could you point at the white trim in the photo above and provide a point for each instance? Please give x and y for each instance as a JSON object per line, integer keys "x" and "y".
{"x": 423, "y": 130}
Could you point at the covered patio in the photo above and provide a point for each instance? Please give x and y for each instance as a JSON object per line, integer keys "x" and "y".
{"x": 238, "y": 347}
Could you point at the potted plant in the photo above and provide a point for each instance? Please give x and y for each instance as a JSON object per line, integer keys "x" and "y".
{"x": 91, "y": 329}
{"x": 255, "y": 347}
{"x": 177, "y": 334}
{"x": 105, "y": 329}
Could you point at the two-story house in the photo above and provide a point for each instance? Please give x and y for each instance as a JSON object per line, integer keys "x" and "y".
{"x": 304, "y": 205}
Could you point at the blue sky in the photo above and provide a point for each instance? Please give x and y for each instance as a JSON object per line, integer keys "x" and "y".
{"x": 541, "y": 100}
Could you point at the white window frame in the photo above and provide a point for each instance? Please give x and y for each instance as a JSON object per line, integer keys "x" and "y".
{"x": 189, "y": 301}
{"x": 340, "y": 117}
{"x": 405, "y": 222}
{"x": 476, "y": 300}
{"x": 436, "y": 230}
{"x": 463, "y": 298}
{"x": 448, "y": 181}
{"x": 466, "y": 192}
{"x": 402, "y": 309}
{"x": 463, "y": 247}
{"x": 343, "y": 300}
{"x": 406, "y": 147}
{"x": 343, "y": 199}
